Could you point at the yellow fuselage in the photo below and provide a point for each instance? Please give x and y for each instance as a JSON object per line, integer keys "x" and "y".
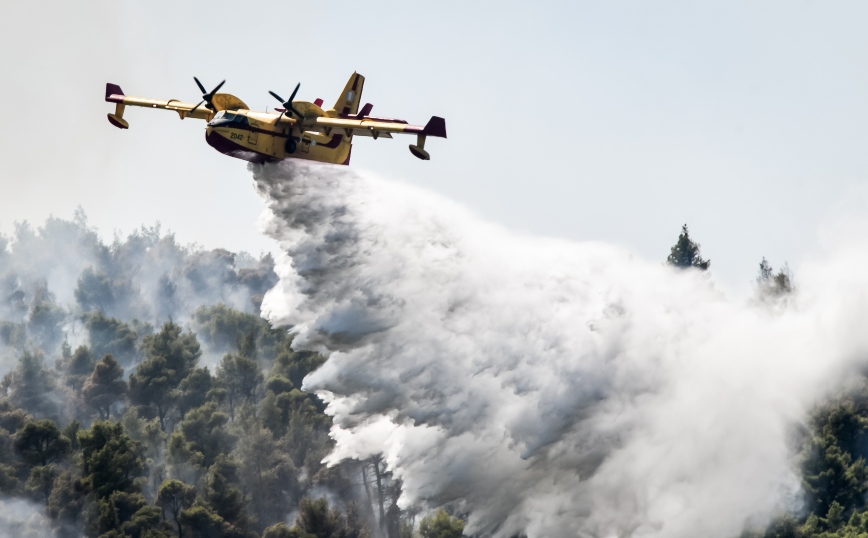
{"x": 260, "y": 137}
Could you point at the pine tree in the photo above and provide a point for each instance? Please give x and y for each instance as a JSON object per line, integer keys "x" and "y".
{"x": 105, "y": 386}
{"x": 441, "y": 525}
{"x": 79, "y": 366}
{"x": 41, "y": 443}
{"x": 173, "y": 497}
{"x": 774, "y": 285}
{"x": 171, "y": 356}
{"x": 240, "y": 377}
{"x": 685, "y": 253}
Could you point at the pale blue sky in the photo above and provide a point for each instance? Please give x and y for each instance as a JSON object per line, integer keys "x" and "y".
{"x": 610, "y": 121}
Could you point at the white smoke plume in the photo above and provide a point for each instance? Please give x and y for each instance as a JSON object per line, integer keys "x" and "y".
{"x": 544, "y": 386}
{"x": 23, "y": 519}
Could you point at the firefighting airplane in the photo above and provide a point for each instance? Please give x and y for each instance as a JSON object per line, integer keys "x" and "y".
{"x": 299, "y": 130}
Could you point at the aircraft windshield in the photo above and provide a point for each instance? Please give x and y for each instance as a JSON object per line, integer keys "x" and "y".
{"x": 224, "y": 118}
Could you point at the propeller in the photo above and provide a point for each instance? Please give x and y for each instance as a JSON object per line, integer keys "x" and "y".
{"x": 287, "y": 105}
{"x": 207, "y": 97}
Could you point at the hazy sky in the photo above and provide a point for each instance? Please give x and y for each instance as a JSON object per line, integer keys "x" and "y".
{"x": 610, "y": 121}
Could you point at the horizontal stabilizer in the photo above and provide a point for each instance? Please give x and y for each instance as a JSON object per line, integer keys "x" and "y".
{"x": 365, "y": 111}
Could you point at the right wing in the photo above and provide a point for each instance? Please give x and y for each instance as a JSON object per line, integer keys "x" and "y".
{"x": 375, "y": 127}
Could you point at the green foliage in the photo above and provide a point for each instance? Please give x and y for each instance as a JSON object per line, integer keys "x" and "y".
{"x": 171, "y": 356}
{"x": 66, "y": 504}
{"x": 203, "y": 522}
{"x": 173, "y": 497}
{"x": 441, "y": 525}
{"x": 222, "y": 513}
{"x": 105, "y": 386}
{"x": 315, "y": 519}
{"x": 179, "y": 349}
{"x": 71, "y": 432}
{"x": 294, "y": 410}
{"x": 12, "y": 419}
{"x": 46, "y": 318}
{"x": 223, "y": 493}
{"x": 29, "y": 385}
{"x": 267, "y": 473}
{"x": 295, "y": 365}
{"x": 834, "y": 475}
{"x": 41, "y": 443}
{"x": 40, "y": 482}
{"x": 195, "y": 390}
{"x": 774, "y": 285}
{"x": 78, "y": 367}
{"x": 833, "y": 469}
{"x": 146, "y": 432}
{"x": 202, "y": 436}
{"x": 119, "y": 478}
{"x": 223, "y": 328}
{"x": 125, "y": 514}
{"x": 111, "y": 461}
{"x": 98, "y": 291}
{"x": 94, "y": 291}
{"x": 282, "y": 530}
{"x": 110, "y": 336}
{"x": 685, "y": 253}
{"x": 240, "y": 377}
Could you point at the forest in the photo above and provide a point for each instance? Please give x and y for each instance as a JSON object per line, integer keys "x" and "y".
{"x": 143, "y": 396}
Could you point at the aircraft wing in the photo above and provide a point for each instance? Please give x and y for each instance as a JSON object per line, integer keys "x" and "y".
{"x": 114, "y": 94}
{"x": 376, "y": 127}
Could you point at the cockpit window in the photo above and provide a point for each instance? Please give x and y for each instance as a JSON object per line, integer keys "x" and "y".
{"x": 227, "y": 118}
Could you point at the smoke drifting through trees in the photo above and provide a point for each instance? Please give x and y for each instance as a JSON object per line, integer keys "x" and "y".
{"x": 546, "y": 387}
{"x": 143, "y": 396}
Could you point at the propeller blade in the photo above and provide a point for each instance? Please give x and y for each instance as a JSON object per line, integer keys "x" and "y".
{"x": 279, "y": 117}
{"x": 279, "y": 98}
{"x": 200, "y": 86}
{"x": 215, "y": 90}
{"x": 296, "y": 112}
{"x": 195, "y": 107}
{"x": 295, "y": 91}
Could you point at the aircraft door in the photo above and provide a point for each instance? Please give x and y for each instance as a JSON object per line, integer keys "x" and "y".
{"x": 253, "y": 136}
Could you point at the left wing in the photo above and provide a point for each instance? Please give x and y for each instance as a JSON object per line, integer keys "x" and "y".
{"x": 220, "y": 101}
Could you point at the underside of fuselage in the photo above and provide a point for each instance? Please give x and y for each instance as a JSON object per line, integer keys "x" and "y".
{"x": 261, "y": 146}
{"x": 233, "y": 149}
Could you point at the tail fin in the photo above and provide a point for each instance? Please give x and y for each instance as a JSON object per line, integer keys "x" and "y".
{"x": 112, "y": 89}
{"x": 436, "y": 126}
{"x": 348, "y": 102}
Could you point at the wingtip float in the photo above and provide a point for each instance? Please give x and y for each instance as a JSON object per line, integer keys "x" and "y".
{"x": 298, "y": 130}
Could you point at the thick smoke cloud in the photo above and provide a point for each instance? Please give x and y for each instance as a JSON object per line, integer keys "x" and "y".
{"x": 544, "y": 386}
{"x": 54, "y": 277}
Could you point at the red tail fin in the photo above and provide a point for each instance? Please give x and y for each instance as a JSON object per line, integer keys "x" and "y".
{"x": 112, "y": 89}
{"x": 436, "y": 126}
